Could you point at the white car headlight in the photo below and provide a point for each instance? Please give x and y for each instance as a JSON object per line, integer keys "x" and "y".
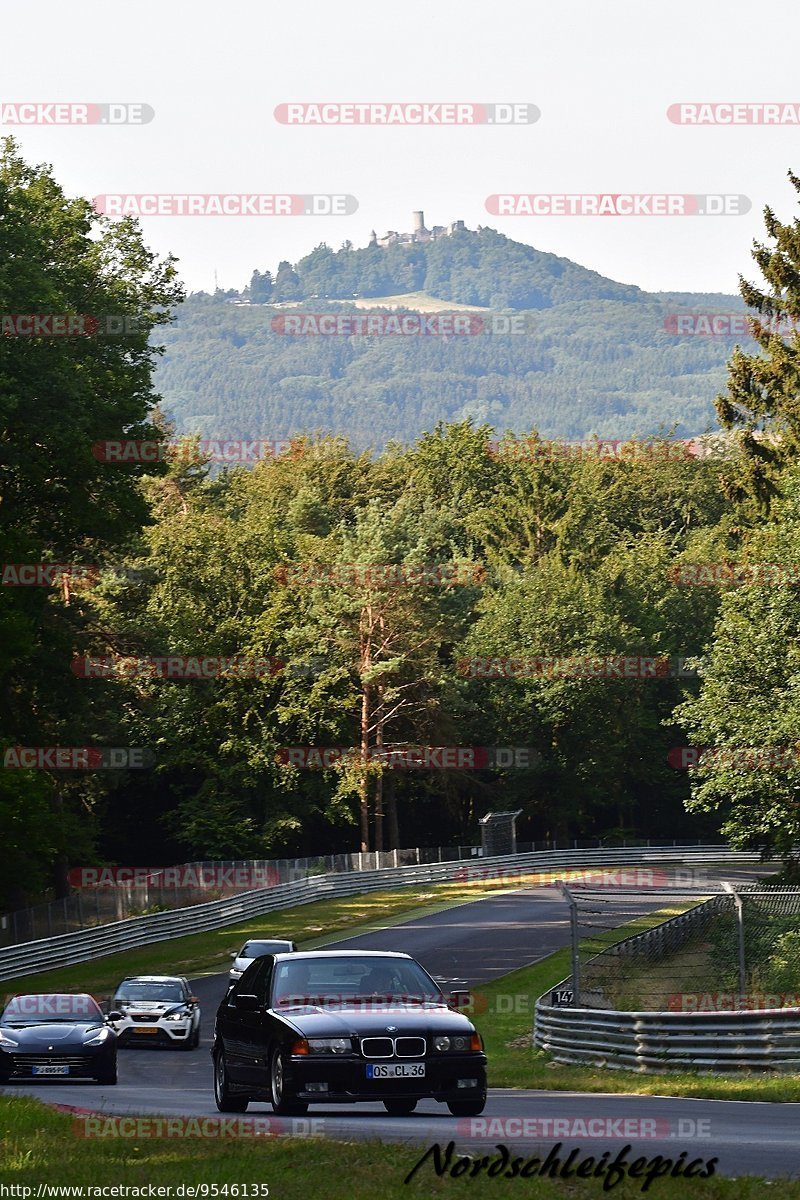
{"x": 6, "y": 1042}
{"x": 329, "y": 1045}
{"x": 181, "y": 1015}
{"x": 101, "y": 1036}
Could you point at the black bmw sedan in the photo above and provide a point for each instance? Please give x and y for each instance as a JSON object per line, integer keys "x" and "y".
{"x": 338, "y": 1027}
{"x": 57, "y": 1035}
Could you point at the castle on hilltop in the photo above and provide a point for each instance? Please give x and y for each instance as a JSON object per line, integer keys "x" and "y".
{"x": 418, "y": 234}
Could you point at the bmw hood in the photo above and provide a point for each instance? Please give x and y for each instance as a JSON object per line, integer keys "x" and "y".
{"x": 312, "y": 1020}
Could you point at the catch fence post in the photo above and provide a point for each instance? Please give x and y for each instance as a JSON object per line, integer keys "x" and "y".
{"x": 737, "y": 899}
{"x": 573, "y": 925}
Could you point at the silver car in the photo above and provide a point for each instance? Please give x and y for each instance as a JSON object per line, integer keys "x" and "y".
{"x": 254, "y": 949}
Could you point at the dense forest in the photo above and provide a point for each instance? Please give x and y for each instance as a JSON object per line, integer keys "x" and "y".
{"x": 594, "y": 357}
{"x": 350, "y": 594}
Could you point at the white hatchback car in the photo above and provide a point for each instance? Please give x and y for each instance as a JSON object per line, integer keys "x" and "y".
{"x": 254, "y": 949}
{"x": 157, "y": 1009}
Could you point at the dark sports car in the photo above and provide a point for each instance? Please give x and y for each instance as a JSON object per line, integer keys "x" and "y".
{"x": 334, "y": 1026}
{"x": 57, "y": 1035}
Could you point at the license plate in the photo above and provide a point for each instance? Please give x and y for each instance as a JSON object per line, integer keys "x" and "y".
{"x": 145, "y": 1029}
{"x": 395, "y": 1070}
{"x": 54, "y": 1070}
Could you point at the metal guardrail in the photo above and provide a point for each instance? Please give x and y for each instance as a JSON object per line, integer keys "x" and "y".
{"x": 665, "y": 1041}
{"x": 83, "y": 945}
{"x": 101, "y": 895}
{"x": 646, "y": 1041}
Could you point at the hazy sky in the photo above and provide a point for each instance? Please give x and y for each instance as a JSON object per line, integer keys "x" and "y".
{"x": 602, "y": 73}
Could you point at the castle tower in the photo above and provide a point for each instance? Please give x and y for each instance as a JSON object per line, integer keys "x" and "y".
{"x": 418, "y": 222}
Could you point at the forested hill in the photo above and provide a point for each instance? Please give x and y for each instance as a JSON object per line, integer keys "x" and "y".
{"x": 595, "y": 357}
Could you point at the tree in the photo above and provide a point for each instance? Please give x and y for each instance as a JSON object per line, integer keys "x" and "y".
{"x": 60, "y": 397}
{"x": 762, "y": 401}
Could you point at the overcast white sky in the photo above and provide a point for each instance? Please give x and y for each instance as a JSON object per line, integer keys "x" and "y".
{"x": 603, "y": 75}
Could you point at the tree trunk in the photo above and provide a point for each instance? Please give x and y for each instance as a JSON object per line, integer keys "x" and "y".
{"x": 391, "y": 804}
{"x": 366, "y": 662}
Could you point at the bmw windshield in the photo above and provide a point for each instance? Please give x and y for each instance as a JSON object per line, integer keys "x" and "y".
{"x": 350, "y": 980}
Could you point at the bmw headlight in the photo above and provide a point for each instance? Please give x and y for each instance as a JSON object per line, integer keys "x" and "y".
{"x": 181, "y": 1015}
{"x": 458, "y": 1043}
{"x": 101, "y": 1036}
{"x": 6, "y": 1042}
{"x": 328, "y": 1045}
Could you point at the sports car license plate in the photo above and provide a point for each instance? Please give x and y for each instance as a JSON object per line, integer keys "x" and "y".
{"x": 53, "y": 1070}
{"x": 145, "y": 1029}
{"x": 395, "y": 1070}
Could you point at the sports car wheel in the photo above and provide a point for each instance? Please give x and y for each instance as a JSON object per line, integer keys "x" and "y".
{"x": 467, "y": 1108}
{"x": 226, "y": 1102}
{"x": 400, "y": 1107}
{"x": 193, "y": 1040}
{"x": 109, "y": 1076}
{"x": 283, "y": 1103}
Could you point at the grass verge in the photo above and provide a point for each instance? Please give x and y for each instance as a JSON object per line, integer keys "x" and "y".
{"x": 40, "y": 1147}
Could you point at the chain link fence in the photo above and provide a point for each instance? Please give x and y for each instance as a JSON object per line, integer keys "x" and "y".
{"x": 722, "y": 948}
{"x": 101, "y": 895}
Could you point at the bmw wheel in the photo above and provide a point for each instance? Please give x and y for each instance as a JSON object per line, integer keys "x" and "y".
{"x": 224, "y": 1100}
{"x": 283, "y": 1102}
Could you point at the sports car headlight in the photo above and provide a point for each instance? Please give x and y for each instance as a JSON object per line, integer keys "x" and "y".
{"x": 328, "y": 1045}
{"x": 101, "y": 1036}
{"x": 181, "y": 1015}
{"x": 6, "y": 1042}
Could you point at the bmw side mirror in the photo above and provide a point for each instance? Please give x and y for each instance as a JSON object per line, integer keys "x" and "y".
{"x": 115, "y": 1016}
{"x": 459, "y": 1000}
{"x": 247, "y": 1002}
